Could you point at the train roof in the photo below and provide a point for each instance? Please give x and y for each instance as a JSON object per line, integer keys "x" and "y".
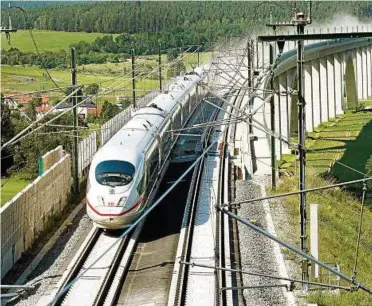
{"x": 130, "y": 142}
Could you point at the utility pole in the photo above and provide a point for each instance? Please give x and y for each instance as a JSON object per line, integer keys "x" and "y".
{"x": 133, "y": 81}
{"x": 301, "y": 22}
{"x": 75, "y": 123}
{"x": 272, "y": 119}
{"x": 160, "y": 80}
{"x": 250, "y": 90}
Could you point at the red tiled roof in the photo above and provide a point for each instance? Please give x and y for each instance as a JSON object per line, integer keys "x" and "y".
{"x": 42, "y": 109}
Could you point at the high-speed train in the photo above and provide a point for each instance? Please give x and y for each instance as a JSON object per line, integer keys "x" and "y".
{"x": 125, "y": 172}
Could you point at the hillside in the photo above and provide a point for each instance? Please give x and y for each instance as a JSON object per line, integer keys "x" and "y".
{"x": 138, "y": 16}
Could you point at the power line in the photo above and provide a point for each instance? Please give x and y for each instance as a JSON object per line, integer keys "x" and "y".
{"x": 35, "y": 45}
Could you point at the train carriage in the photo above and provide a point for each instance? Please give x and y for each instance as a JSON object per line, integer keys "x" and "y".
{"x": 125, "y": 172}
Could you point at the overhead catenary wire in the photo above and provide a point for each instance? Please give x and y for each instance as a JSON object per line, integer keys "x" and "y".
{"x": 35, "y": 45}
{"x": 19, "y": 136}
{"x": 135, "y": 223}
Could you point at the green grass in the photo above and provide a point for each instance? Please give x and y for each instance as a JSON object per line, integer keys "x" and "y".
{"x": 338, "y": 223}
{"x": 10, "y": 187}
{"x": 46, "y": 40}
{"x": 17, "y": 78}
{"x": 347, "y": 140}
{"x": 29, "y": 78}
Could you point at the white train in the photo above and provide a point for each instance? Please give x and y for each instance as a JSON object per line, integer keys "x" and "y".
{"x": 124, "y": 173}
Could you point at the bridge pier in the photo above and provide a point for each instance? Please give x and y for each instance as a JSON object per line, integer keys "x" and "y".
{"x": 369, "y": 71}
{"x": 283, "y": 100}
{"x": 359, "y": 74}
{"x": 315, "y": 81}
{"x": 338, "y": 81}
{"x": 331, "y": 87}
{"x": 308, "y": 96}
{"x": 323, "y": 90}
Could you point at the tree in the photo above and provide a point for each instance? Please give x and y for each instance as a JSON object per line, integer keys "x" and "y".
{"x": 109, "y": 110}
{"x": 7, "y": 132}
{"x": 91, "y": 89}
{"x": 31, "y": 107}
{"x": 176, "y": 66}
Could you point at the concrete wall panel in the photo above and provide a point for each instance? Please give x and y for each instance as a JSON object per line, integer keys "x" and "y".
{"x": 26, "y": 214}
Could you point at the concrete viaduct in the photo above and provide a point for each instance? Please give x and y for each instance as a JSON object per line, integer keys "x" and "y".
{"x": 337, "y": 74}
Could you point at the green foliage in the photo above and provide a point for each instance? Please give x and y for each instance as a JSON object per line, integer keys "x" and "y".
{"x": 91, "y": 89}
{"x": 174, "y": 68}
{"x": 31, "y": 107}
{"x": 109, "y": 110}
{"x": 149, "y": 16}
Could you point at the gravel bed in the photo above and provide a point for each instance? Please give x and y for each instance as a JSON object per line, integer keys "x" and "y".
{"x": 47, "y": 274}
{"x": 256, "y": 251}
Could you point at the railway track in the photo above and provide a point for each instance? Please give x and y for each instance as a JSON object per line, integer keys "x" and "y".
{"x": 189, "y": 278}
{"x": 103, "y": 284}
{"x": 97, "y": 285}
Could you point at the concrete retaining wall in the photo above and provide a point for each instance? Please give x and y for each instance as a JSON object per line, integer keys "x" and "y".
{"x": 27, "y": 214}
{"x": 50, "y": 158}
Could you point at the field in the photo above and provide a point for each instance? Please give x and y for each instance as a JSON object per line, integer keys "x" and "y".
{"x": 46, "y": 40}
{"x": 17, "y": 78}
{"x": 30, "y": 78}
{"x": 10, "y": 187}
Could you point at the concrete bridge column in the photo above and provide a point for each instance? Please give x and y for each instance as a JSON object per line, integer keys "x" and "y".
{"x": 359, "y": 74}
{"x": 309, "y": 98}
{"x": 289, "y": 101}
{"x": 331, "y": 87}
{"x": 315, "y": 81}
{"x": 278, "y": 119}
{"x": 283, "y": 112}
{"x": 323, "y": 90}
{"x": 364, "y": 72}
{"x": 338, "y": 76}
{"x": 369, "y": 72}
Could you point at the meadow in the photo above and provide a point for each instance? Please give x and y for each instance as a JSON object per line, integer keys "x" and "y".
{"x": 30, "y": 78}
{"x": 46, "y": 40}
{"x": 10, "y": 187}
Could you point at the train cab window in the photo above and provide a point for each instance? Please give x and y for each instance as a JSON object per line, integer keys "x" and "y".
{"x": 114, "y": 173}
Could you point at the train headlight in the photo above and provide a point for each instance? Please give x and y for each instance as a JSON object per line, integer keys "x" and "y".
{"x": 101, "y": 201}
{"x": 122, "y": 201}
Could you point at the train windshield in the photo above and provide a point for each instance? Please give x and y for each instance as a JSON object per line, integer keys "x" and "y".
{"x": 114, "y": 173}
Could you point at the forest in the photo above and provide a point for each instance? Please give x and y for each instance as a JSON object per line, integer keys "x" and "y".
{"x": 152, "y": 16}
{"x": 144, "y": 25}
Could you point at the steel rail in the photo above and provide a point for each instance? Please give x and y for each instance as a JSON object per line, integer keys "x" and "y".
{"x": 74, "y": 272}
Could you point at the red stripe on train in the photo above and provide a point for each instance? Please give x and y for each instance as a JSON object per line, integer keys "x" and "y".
{"x": 139, "y": 201}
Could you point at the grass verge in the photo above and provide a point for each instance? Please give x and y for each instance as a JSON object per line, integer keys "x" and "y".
{"x": 348, "y": 141}
{"x": 10, "y": 187}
